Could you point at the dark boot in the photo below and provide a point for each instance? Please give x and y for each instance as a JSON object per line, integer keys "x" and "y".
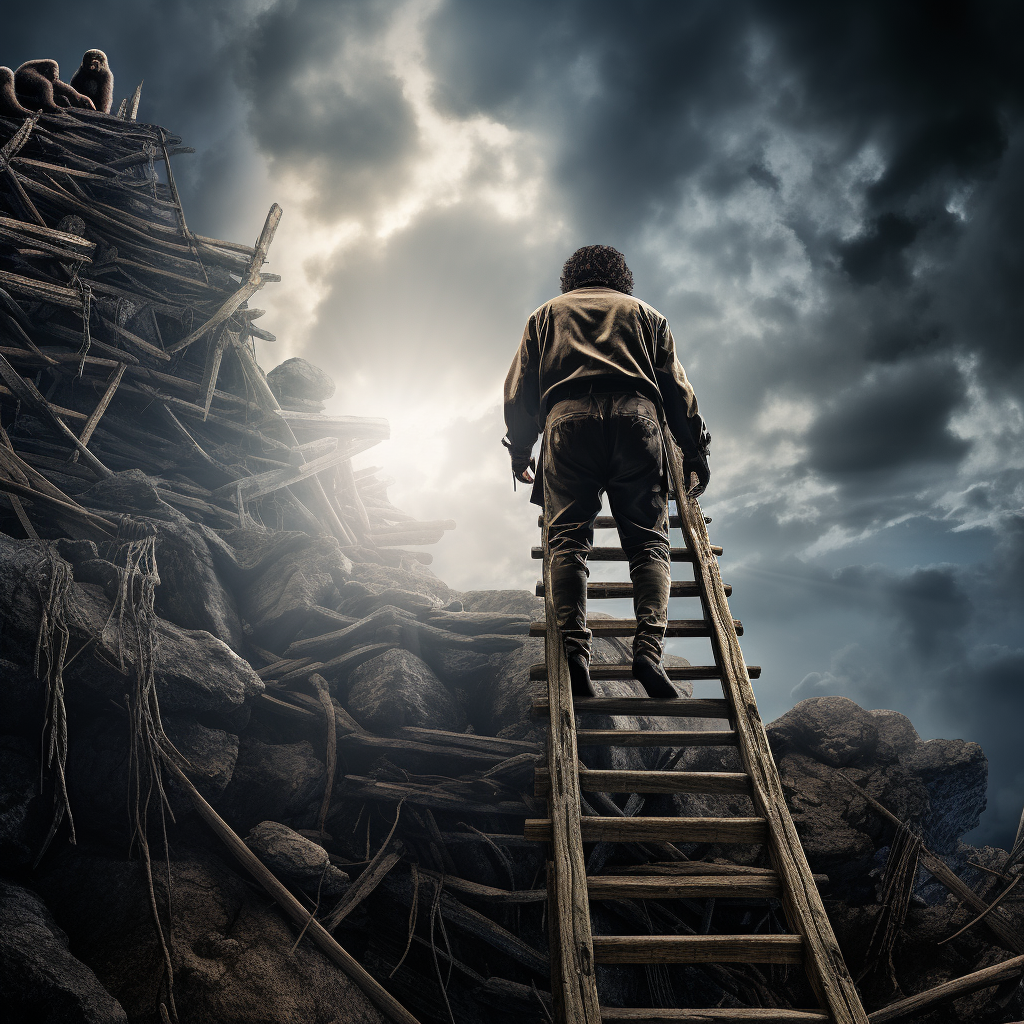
{"x": 579, "y": 675}
{"x": 652, "y": 676}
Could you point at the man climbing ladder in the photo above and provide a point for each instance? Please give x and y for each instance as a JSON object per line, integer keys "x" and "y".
{"x": 595, "y": 372}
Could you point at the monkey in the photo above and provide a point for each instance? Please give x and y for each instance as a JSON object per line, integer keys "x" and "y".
{"x": 95, "y": 80}
{"x": 9, "y": 105}
{"x": 39, "y": 87}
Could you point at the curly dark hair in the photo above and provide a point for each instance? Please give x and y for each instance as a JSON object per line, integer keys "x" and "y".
{"x": 597, "y": 264}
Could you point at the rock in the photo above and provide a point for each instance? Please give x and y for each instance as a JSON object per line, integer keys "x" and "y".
{"x": 232, "y": 947}
{"x": 273, "y": 781}
{"x": 21, "y": 699}
{"x": 98, "y": 770}
{"x": 378, "y": 579}
{"x": 276, "y": 601}
{"x": 297, "y": 860}
{"x": 25, "y": 814}
{"x": 955, "y": 773}
{"x": 833, "y": 730}
{"x": 40, "y": 981}
{"x": 299, "y": 378}
{"x": 195, "y": 672}
{"x": 398, "y": 689}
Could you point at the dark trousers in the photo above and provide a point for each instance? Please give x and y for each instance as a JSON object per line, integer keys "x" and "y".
{"x": 607, "y": 443}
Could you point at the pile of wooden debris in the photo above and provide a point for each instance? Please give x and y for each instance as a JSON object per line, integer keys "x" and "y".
{"x": 128, "y": 343}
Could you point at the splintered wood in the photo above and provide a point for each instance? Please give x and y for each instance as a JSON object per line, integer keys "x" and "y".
{"x": 127, "y": 343}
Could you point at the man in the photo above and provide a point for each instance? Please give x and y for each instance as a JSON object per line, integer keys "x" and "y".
{"x": 594, "y": 371}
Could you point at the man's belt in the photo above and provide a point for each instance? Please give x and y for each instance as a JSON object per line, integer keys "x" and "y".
{"x": 583, "y": 388}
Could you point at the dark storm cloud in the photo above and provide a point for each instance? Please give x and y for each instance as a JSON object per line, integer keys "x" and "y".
{"x": 321, "y": 96}
{"x": 897, "y": 415}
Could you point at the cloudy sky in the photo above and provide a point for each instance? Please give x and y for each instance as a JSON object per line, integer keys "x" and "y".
{"x": 826, "y": 201}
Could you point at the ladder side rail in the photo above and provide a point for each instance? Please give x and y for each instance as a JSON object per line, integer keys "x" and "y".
{"x": 827, "y": 969}
{"x": 573, "y": 972}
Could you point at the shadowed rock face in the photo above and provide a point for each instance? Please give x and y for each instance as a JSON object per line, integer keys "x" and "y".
{"x": 40, "y": 981}
{"x": 232, "y": 947}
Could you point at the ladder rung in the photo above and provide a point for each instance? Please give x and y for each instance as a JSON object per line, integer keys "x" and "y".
{"x": 615, "y": 590}
{"x": 646, "y": 707}
{"x": 602, "y": 554}
{"x": 539, "y": 672}
{"x": 726, "y": 1015}
{"x": 698, "y": 949}
{"x": 653, "y": 830}
{"x": 654, "y": 738}
{"x": 665, "y": 887}
{"x": 608, "y": 522}
{"x": 634, "y": 781}
{"x": 627, "y": 627}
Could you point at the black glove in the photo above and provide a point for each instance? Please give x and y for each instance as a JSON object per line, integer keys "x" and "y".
{"x": 522, "y": 459}
{"x": 696, "y": 464}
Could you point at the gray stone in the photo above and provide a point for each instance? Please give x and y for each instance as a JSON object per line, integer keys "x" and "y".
{"x": 24, "y": 814}
{"x": 195, "y": 672}
{"x": 276, "y": 601}
{"x": 40, "y": 981}
{"x": 296, "y": 860}
{"x": 398, "y": 689}
{"x": 299, "y": 378}
{"x": 955, "y": 773}
{"x": 833, "y": 730}
{"x": 233, "y": 949}
{"x": 273, "y": 781}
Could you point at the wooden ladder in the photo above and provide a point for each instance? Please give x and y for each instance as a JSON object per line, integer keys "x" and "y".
{"x": 574, "y": 950}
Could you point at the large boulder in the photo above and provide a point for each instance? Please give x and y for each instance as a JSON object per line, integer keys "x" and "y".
{"x": 233, "y": 954}
{"x": 273, "y": 781}
{"x": 40, "y": 981}
{"x": 195, "y": 672}
{"x": 276, "y": 600}
{"x": 398, "y": 689}
{"x": 296, "y": 860}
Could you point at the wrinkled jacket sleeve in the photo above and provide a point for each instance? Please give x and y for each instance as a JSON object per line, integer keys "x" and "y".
{"x": 684, "y": 419}
{"x": 522, "y": 392}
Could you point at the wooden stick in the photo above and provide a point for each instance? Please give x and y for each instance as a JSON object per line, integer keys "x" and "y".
{"x": 985, "y": 978}
{"x": 26, "y": 391}
{"x": 370, "y": 987}
{"x": 101, "y": 407}
{"x": 252, "y": 283}
{"x": 1000, "y": 927}
{"x": 992, "y": 906}
{"x": 373, "y": 874}
{"x": 324, "y": 693}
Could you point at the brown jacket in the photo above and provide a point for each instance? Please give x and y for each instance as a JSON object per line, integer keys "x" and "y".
{"x": 600, "y": 337}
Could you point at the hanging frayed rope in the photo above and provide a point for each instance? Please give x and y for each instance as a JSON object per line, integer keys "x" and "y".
{"x": 54, "y": 585}
{"x": 133, "y": 552}
{"x": 897, "y": 888}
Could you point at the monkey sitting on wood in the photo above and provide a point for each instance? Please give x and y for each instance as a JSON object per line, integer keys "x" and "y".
{"x": 95, "y": 80}
{"x": 9, "y": 105}
{"x": 38, "y": 85}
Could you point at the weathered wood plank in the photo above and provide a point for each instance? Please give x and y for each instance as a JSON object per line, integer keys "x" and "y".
{"x": 539, "y": 672}
{"x": 644, "y": 707}
{"x": 655, "y": 738}
{"x": 603, "y": 554}
{"x": 664, "y": 887}
{"x": 615, "y": 590}
{"x": 715, "y": 1015}
{"x": 699, "y": 949}
{"x": 668, "y": 830}
{"x": 573, "y": 956}
{"x": 627, "y": 781}
{"x": 627, "y": 627}
{"x": 826, "y": 968}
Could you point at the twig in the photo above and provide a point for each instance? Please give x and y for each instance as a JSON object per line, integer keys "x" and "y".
{"x": 992, "y": 906}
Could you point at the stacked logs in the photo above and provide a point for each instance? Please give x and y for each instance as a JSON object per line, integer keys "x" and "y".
{"x": 127, "y": 341}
